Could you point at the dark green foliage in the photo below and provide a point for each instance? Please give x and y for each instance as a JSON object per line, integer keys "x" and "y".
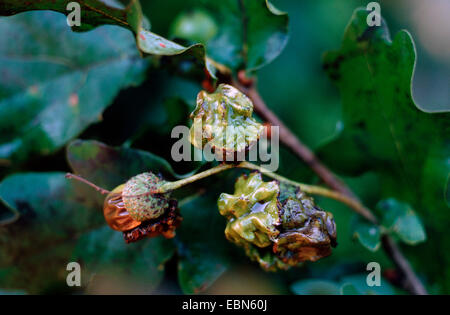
{"x": 121, "y": 87}
{"x": 385, "y": 132}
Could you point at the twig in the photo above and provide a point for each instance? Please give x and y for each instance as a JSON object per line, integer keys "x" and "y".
{"x": 293, "y": 143}
{"x": 316, "y": 190}
{"x": 413, "y": 284}
{"x": 310, "y": 189}
{"x": 304, "y": 153}
{"x": 169, "y": 186}
{"x": 81, "y": 179}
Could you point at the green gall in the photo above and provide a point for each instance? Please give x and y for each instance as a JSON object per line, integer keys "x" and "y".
{"x": 139, "y": 202}
{"x": 276, "y": 224}
{"x": 252, "y": 211}
{"x": 223, "y": 120}
{"x": 265, "y": 258}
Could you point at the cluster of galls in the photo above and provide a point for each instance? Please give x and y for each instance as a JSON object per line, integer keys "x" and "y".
{"x": 133, "y": 209}
{"x": 278, "y": 225}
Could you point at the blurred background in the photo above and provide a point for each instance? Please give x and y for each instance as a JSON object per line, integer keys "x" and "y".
{"x": 296, "y": 88}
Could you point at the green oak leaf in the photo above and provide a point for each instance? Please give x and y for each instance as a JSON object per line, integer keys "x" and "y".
{"x": 202, "y": 247}
{"x": 109, "y": 166}
{"x": 348, "y": 285}
{"x": 250, "y": 34}
{"x": 102, "y": 253}
{"x": 384, "y": 131}
{"x": 124, "y": 13}
{"x": 8, "y": 215}
{"x": 349, "y": 289}
{"x": 53, "y": 212}
{"x": 55, "y": 83}
{"x": 93, "y": 13}
{"x": 400, "y": 219}
{"x": 368, "y": 235}
{"x": 359, "y": 284}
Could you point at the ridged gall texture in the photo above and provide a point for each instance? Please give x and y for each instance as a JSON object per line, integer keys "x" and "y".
{"x": 115, "y": 213}
{"x": 252, "y": 211}
{"x": 277, "y": 225}
{"x": 223, "y": 119}
{"x": 140, "y": 203}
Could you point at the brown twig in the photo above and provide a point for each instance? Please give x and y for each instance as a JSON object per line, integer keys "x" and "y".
{"x": 316, "y": 190}
{"x": 292, "y": 142}
{"x": 413, "y": 284}
{"x": 83, "y": 180}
